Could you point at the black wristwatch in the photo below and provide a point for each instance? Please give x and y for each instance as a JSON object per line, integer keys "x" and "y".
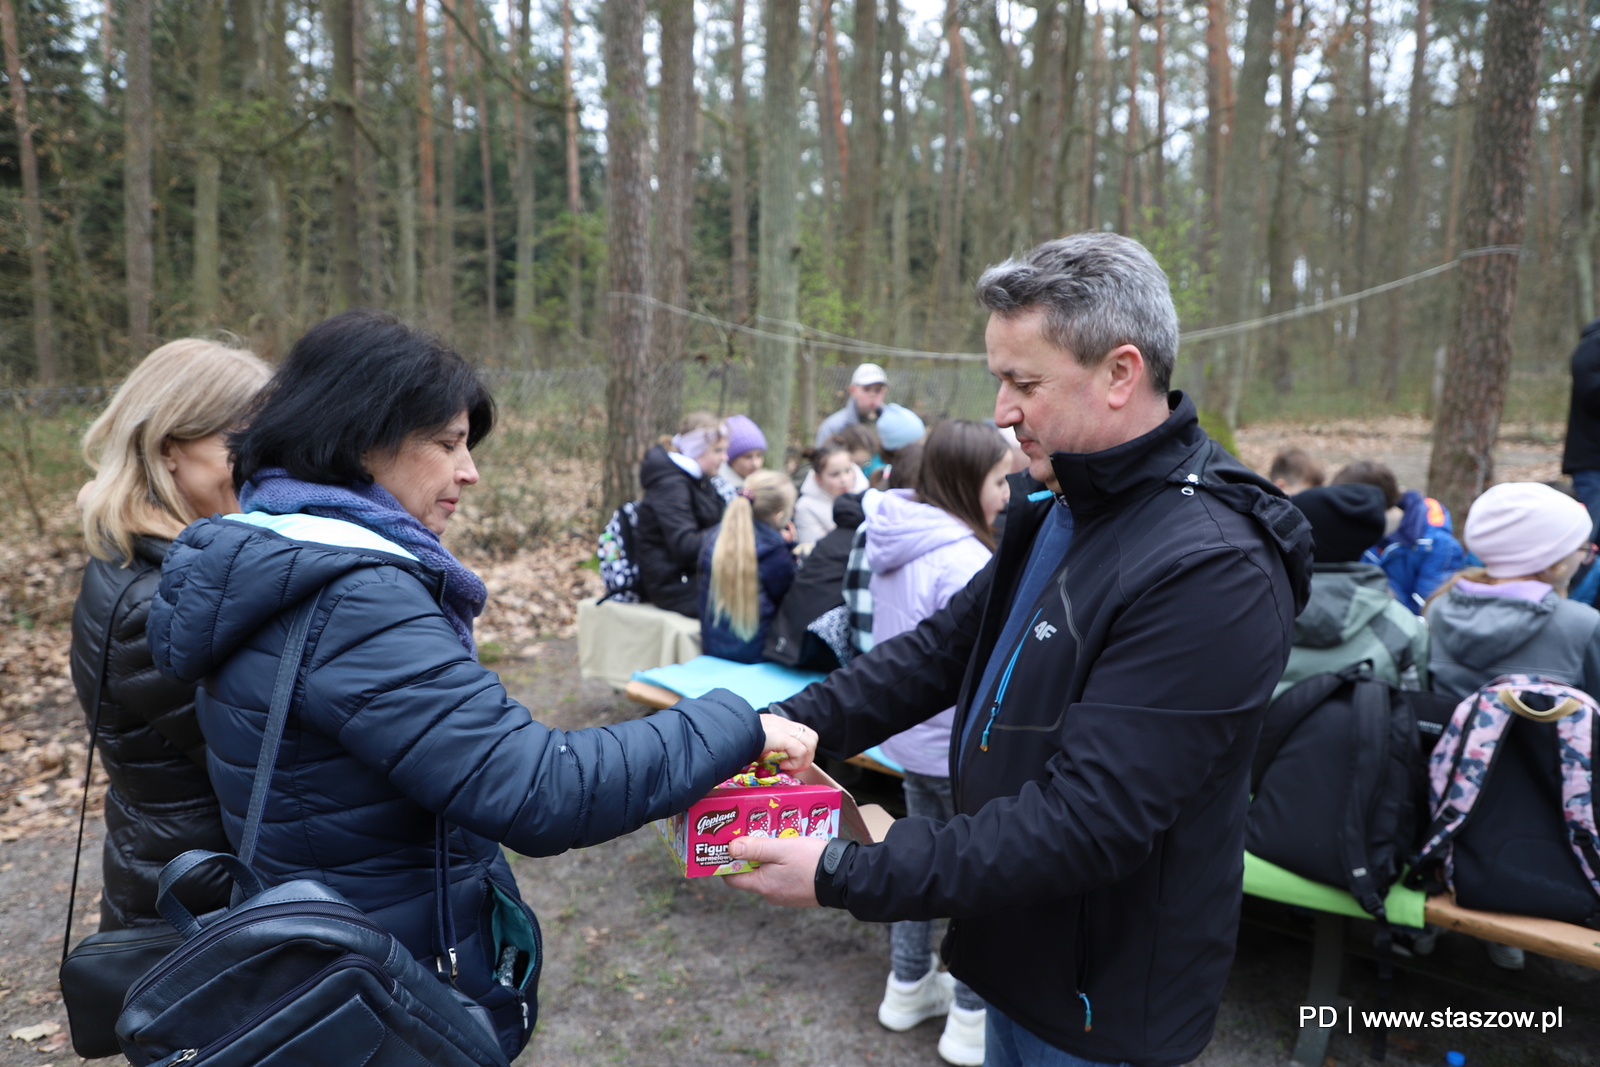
{"x": 832, "y": 859}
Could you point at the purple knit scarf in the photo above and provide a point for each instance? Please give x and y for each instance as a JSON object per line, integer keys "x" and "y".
{"x": 374, "y": 507}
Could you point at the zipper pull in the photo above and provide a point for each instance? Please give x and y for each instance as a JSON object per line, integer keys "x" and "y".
{"x": 983, "y": 742}
{"x": 1088, "y": 1013}
{"x": 185, "y": 1056}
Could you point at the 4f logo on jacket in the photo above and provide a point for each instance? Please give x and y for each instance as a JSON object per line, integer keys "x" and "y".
{"x": 1044, "y": 630}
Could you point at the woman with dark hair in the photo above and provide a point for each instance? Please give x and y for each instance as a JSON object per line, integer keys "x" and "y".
{"x": 398, "y": 741}
{"x": 923, "y": 546}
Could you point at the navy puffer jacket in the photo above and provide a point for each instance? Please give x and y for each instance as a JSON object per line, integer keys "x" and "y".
{"x": 391, "y": 722}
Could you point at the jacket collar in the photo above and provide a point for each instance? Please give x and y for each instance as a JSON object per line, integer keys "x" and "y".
{"x": 1095, "y": 482}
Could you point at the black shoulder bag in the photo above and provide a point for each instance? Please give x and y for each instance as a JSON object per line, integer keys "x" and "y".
{"x": 294, "y": 975}
{"x": 96, "y": 975}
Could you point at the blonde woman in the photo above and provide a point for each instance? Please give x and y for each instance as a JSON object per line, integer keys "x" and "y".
{"x": 748, "y": 564}
{"x": 160, "y": 457}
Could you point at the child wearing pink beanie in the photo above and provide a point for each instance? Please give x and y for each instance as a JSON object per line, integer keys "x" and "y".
{"x": 1513, "y": 615}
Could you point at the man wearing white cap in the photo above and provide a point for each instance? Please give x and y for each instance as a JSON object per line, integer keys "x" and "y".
{"x": 867, "y": 386}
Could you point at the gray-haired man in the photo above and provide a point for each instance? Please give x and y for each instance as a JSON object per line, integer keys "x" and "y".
{"x": 1110, "y": 669}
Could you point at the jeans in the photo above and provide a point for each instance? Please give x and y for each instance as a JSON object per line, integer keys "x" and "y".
{"x": 911, "y": 943}
{"x": 1005, "y": 1044}
{"x": 1586, "y": 487}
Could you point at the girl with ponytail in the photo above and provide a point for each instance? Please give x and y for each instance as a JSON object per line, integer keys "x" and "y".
{"x": 747, "y": 566}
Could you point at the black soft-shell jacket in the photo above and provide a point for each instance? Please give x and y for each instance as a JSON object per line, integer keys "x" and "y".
{"x": 1096, "y": 861}
{"x": 674, "y": 516}
{"x": 160, "y": 802}
{"x": 392, "y": 721}
{"x": 1582, "y": 452}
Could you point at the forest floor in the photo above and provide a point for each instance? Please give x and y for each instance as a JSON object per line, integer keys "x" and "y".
{"x": 645, "y": 967}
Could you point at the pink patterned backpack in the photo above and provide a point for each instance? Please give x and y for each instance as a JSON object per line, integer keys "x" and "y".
{"x": 1511, "y": 795}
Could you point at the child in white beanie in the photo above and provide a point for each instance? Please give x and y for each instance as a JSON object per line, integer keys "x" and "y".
{"x": 1513, "y": 616}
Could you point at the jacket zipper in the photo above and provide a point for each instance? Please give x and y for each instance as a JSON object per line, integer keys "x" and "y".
{"x": 255, "y": 915}
{"x": 344, "y": 962}
{"x": 1005, "y": 681}
{"x": 1083, "y": 965}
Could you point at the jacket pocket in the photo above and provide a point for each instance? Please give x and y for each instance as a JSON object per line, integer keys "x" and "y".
{"x": 518, "y": 947}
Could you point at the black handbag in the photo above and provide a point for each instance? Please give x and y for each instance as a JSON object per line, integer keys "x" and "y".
{"x": 96, "y": 975}
{"x": 294, "y": 974}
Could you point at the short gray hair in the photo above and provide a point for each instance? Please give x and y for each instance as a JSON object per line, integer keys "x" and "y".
{"x": 1098, "y": 291}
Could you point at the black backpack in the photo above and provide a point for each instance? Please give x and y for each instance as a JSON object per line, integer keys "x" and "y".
{"x": 1334, "y": 784}
{"x": 1511, "y": 792}
{"x": 811, "y": 619}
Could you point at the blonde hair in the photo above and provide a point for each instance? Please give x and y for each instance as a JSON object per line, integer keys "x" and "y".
{"x": 735, "y": 580}
{"x": 183, "y": 391}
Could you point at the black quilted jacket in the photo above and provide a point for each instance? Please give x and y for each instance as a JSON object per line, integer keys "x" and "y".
{"x": 160, "y": 802}
{"x": 674, "y": 516}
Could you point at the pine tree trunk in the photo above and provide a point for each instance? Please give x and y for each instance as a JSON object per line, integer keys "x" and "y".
{"x": 138, "y": 125}
{"x": 1588, "y": 201}
{"x": 1363, "y": 207}
{"x": 44, "y": 357}
{"x": 255, "y": 25}
{"x": 738, "y": 177}
{"x": 574, "y": 188}
{"x": 1219, "y": 119}
{"x": 1466, "y": 90}
{"x": 628, "y": 244}
{"x": 449, "y": 161}
{"x": 1159, "y": 180}
{"x": 1127, "y": 215}
{"x": 674, "y": 204}
{"x": 861, "y": 251}
{"x": 1478, "y": 366}
{"x": 346, "y": 257}
{"x": 1071, "y": 67}
{"x": 1405, "y": 208}
{"x": 900, "y": 169}
{"x": 207, "y": 284}
{"x": 522, "y": 122}
{"x": 1280, "y": 239}
{"x": 375, "y": 281}
{"x": 1091, "y": 161}
{"x": 779, "y": 238}
{"x": 433, "y": 291}
{"x": 491, "y": 247}
{"x": 947, "y": 264}
{"x": 1237, "y": 292}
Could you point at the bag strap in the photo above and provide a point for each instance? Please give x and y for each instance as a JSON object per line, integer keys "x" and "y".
{"x": 444, "y": 918}
{"x": 88, "y": 765}
{"x": 294, "y": 651}
{"x": 1369, "y": 750}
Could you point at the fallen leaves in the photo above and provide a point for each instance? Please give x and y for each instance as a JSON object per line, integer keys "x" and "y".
{"x": 35, "y": 1032}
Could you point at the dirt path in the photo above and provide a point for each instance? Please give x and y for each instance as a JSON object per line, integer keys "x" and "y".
{"x": 646, "y": 968}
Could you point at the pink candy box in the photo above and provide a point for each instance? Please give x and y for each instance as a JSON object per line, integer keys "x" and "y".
{"x": 699, "y": 838}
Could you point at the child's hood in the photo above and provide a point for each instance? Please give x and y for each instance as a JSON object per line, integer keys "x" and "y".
{"x": 904, "y": 529}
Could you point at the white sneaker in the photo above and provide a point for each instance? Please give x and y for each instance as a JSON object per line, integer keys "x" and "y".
{"x": 962, "y": 1040}
{"x": 905, "y": 1004}
{"x": 1505, "y": 957}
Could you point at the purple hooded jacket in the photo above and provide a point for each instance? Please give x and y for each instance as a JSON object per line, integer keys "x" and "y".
{"x": 920, "y": 557}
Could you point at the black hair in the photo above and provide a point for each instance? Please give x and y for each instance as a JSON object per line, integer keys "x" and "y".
{"x": 359, "y": 382}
